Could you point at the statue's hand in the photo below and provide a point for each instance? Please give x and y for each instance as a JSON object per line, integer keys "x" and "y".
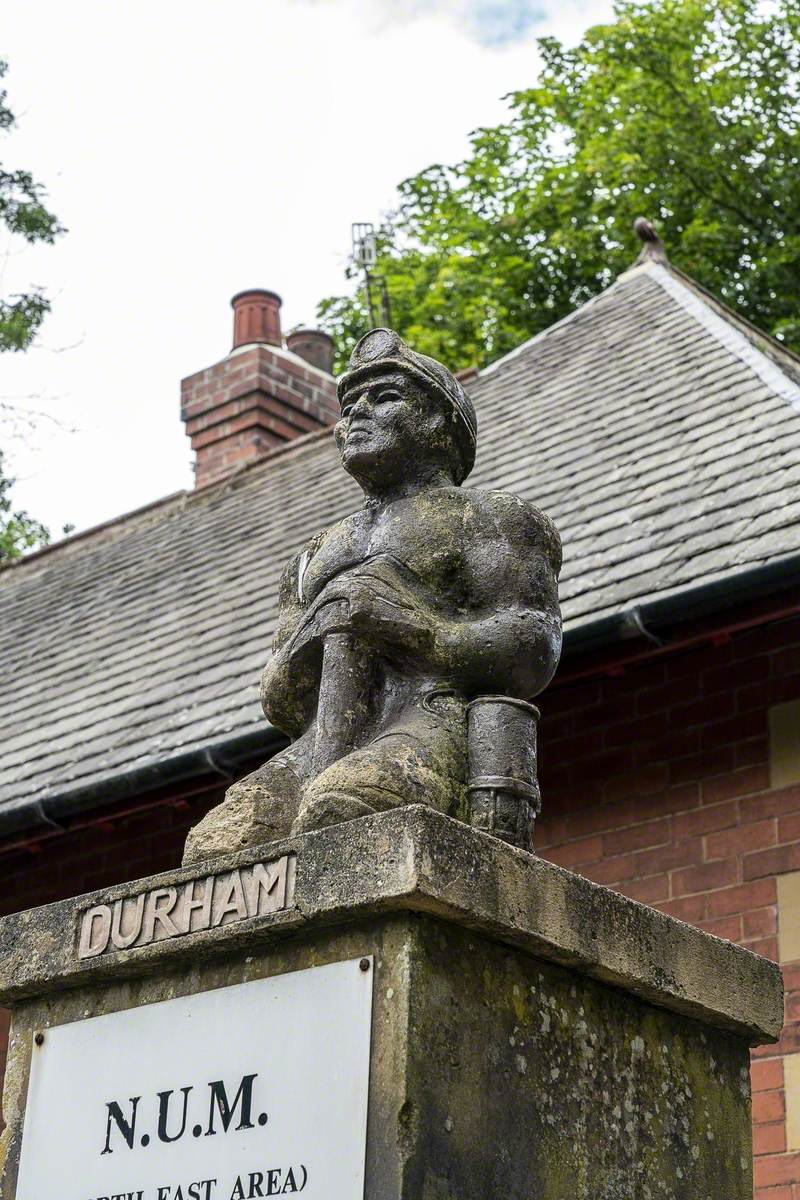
{"x": 383, "y": 605}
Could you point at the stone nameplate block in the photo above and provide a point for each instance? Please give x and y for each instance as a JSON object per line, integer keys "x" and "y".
{"x": 405, "y": 860}
{"x": 170, "y": 912}
{"x": 258, "y": 1089}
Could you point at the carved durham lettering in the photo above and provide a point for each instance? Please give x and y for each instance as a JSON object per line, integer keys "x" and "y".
{"x": 169, "y": 912}
{"x": 190, "y": 905}
{"x": 157, "y": 907}
{"x": 127, "y": 912}
{"x": 265, "y": 887}
{"x": 230, "y": 900}
{"x": 95, "y": 931}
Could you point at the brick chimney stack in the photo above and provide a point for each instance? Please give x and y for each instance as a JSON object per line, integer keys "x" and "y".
{"x": 262, "y": 395}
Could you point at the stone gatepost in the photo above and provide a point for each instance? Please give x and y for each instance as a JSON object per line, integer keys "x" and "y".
{"x": 396, "y": 1007}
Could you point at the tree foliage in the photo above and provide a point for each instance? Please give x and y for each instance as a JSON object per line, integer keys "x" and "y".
{"x": 18, "y": 531}
{"x": 23, "y": 212}
{"x": 684, "y": 111}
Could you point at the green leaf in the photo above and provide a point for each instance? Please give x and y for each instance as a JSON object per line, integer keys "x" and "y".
{"x": 18, "y": 531}
{"x": 684, "y": 111}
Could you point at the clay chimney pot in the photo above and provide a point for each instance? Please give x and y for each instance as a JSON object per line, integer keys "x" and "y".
{"x": 256, "y": 318}
{"x": 313, "y": 345}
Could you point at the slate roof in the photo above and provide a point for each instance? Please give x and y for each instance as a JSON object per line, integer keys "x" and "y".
{"x": 658, "y": 430}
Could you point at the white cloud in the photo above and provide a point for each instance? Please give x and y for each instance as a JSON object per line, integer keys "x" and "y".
{"x": 195, "y": 148}
{"x": 490, "y": 22}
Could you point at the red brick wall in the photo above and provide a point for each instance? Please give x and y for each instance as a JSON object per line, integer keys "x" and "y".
{"x": 249, "y": 403}
{"x": 109, "y": 847}
{"x": 655, "y": 781}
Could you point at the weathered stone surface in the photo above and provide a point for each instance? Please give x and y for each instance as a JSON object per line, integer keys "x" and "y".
{"x": 429, "y": 602}
{"x": 416, "y": 860}
{"x": 156, "y": 913}
{"x": 493, "y": 1073}
{"x": 526, "y": 1081}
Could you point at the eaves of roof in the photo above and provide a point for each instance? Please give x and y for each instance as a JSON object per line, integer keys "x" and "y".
{"x": 653, "y": 619}
{"x": 620, "y": 578}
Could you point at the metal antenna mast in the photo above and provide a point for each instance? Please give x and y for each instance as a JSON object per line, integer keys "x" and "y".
{"x": 365, "y": 255}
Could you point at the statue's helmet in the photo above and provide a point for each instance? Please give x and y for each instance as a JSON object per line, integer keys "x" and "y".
{"x": 382, "y": 351}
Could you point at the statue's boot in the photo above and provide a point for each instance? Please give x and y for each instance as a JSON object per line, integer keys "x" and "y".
{"x": 258, "y": 809}
{"x": 420, "y": 759}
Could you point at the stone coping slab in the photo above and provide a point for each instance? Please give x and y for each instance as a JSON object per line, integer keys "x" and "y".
{"x": 409, "y": 859}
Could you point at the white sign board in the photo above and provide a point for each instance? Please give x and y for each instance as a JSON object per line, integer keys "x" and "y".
{"x": 254, "y": 1090}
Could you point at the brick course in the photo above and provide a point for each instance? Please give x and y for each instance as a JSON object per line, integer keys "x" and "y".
{"x": 249, "y": 403}
{"x": 656, "y": 782}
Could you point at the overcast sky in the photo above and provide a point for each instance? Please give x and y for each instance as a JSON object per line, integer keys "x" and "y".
{"x": 194, "y": 148}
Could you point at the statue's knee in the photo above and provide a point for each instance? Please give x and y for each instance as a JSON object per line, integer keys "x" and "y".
{"x": 320, "y": 807}
{"x": 234, "y": 825}
{"x": 257, "y": 809}
{"x": 275, "y": 781}
{"x": 424, "y": 760}
{"x": 426, "y": 765}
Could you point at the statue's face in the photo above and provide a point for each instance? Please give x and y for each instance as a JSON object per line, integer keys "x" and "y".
{"x": 390, "y": 430}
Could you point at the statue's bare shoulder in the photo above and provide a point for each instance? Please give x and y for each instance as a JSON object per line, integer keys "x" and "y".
{"x": 508, "y": 518}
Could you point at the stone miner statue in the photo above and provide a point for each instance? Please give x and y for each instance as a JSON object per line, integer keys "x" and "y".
{"x": 411, "y": 635}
